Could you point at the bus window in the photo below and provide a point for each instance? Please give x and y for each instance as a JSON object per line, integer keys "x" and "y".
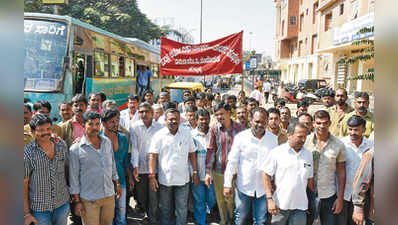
{"x": 121, "y": 66}
{"x": 114, "y": 66}
{"x": 101, "y": 64}
{"x": 129, "y": 67}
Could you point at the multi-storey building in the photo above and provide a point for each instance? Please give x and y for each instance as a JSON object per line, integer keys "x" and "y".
{"x": 313, "y": 35}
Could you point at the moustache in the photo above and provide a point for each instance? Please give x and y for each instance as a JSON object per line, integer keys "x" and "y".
{"x": 43, "y": 135}
{"x": 94, "y": 131}
{"x": 362, "y": 109}
{"x": 259, "y": 128}
{"x": 340, "y": 102}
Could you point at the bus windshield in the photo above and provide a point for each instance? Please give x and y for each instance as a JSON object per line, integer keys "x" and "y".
{"x": 45, "y": 47}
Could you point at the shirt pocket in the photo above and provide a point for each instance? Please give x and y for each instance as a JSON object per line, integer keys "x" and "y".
{"x": 329, "y": 158}
{"x": 61, "y": 163}
{"x": 306, "y": 169}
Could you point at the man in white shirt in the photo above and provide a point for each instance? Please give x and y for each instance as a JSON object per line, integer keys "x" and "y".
{"x": 267, "y": 89}
{"x": 130, "y": 115}
{"x": 250, "y": 149}
{"x": 256, "y": 94}
{"x": 142, "y": 132}
{"x": 356, "y": 144}
{"x": 170, "y": 150}
{"x": 291, "y": 165}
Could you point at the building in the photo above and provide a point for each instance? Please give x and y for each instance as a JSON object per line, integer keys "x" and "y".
{"x": 313, "y": 35}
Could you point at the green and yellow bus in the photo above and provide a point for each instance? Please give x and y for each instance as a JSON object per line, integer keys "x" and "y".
{"x": 64, "y": 56}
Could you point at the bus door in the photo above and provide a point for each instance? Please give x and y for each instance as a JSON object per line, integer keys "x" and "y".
{"x": 82, "y": 69}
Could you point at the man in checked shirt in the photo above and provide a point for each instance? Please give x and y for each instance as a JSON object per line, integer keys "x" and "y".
{"x": 222, "y": 135}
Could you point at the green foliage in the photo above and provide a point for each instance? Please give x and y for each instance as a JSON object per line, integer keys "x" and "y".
{"x": 121, "y": 17}
{"x": 364, "y": 53}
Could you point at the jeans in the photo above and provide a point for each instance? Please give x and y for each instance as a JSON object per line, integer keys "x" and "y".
{"x": 173, "y": 200}
{"x": 58, "y": 216}
{"x": 120, "y": 208}
{"x": 313, "y": 207}
{"x": 243, "y": 205}
{"x": 204, "y": 199}
{"x": 290, "y": 217}
{"x": 325, "y": 211}
{"x": 345, "y": 217}
{"x": 147, "y": 199}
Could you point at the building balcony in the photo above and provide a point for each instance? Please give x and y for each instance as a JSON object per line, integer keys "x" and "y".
{"x": 324, "y": 4}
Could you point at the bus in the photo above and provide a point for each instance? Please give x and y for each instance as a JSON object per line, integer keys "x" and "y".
{"x": 65, "y": 56}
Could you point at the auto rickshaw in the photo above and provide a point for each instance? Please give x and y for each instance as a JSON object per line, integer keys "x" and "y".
{"x": 177, "y": 89}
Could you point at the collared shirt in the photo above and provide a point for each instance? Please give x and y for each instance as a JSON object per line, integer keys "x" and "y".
{"x": 220, "y": 144}
{"x": 201, "y": 142}
{"x": 47, "y": 180}
{"x": 363, "y": 186}
{"x": 99, "y": 110}
{"x": 187, "y": 125}
{"x": 370, "y": 124}
{"x": 282, "y": 136}
{"x": 28, "y": 136}
{"x": 354, "y": 156}
{"x": 91, "y": 170}
{"x": 142, "y": 137}
{"x": 336, "y": 117}
{"x": 125, "y": 119}
{"x": 143, "y": 77}
{"x": 78, "y": 130}
{"x": 267, "y": 86}
{"x": 173, "y": 150}
{"x": 246, "y": 156}
{"x": 291, "y": 170}
{"x": 257, "y": 95}
{"x": 325, "y": 163}
{"x": 121, "y": 157}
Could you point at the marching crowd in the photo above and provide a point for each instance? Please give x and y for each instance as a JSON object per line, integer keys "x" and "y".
{"x": 256, "y": 165}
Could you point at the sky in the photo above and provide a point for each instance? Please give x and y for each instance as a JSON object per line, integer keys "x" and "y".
{"x": 220, "y": 18}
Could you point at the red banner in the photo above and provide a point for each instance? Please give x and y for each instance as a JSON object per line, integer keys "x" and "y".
{"x": 222, "y": 56}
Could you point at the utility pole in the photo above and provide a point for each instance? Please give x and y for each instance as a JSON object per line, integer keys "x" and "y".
{"x": 201, "y": 9}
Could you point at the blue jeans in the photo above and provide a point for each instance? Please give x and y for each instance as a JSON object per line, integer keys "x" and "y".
{"x": 290, "y": 217}
{"x": 173, "y": 200}
{"x": 325, "y": 211}
{"x": 58, "y": 216}
{"x": 120, "y": 208}
{"x": 202, "y": 197}
{"x": 243, "y": 205}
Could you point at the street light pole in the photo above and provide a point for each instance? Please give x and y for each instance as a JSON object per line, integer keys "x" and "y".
{"x": 201, "y": 9}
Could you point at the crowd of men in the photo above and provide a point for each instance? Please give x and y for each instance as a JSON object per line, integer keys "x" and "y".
{"x": 256, "y": 165}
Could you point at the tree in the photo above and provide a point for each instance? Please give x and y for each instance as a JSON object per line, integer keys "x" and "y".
{"x": 364, "y": 53}
{"x": 120, "y": 17}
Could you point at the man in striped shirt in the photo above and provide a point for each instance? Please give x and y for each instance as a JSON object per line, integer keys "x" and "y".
{"x": 222, "y": 135}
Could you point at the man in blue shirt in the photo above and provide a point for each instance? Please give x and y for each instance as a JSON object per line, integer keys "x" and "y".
{"x": 110, "y": 121}
{"x": 93, "y": 175}
{"x": 143, "y": 80}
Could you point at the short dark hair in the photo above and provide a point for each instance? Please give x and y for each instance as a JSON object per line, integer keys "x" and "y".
{"x": 328, "y": 92}
{"x": 79, "y": 98}
{"x": 251, "y": 99}
{"x": 146, "y": 92}
{"x": 171, "y": 110}
{"x": 38, "y": 120}
{"x": 26, "y": 105}
{"x": 145, "y": 105}
{"x": 361, "y": 94}
{"x": 90, "y": 115}
{"x": 202, "y": 112}
{"x": 93, "y": 93}
{"x": 65, "y": 103}
{"x": 222, "y": 105}
{"x": 190, "y": 99}
{"x": 42, "y": 103}
{"x": 133, "y": 97}
{"x": 292, "y": 127}
{"x": 321, "y": 114}
{"x": 186, "y": 91}
{"x": 274, "y": 110}
{"x": 201, "y": 95}
{"x": 305, "y": 114}
{"x": 345, "y": 91}
{"x": 280, "y": 101}
{"x": 103, "y": 96}
{"x": 224, "y": 97}
{"x": 302, "y": 103}
{"x": 285, "y": 107}
{"x": 168, "y": 105}
{"x": 232, "y": 97}
{"x": 191, "y": 108}
{"x": 259, "y": 109}
{"x": 209, "y": 97}
{"x": 109, "y": 114}
{"x": 355, "y": 121}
